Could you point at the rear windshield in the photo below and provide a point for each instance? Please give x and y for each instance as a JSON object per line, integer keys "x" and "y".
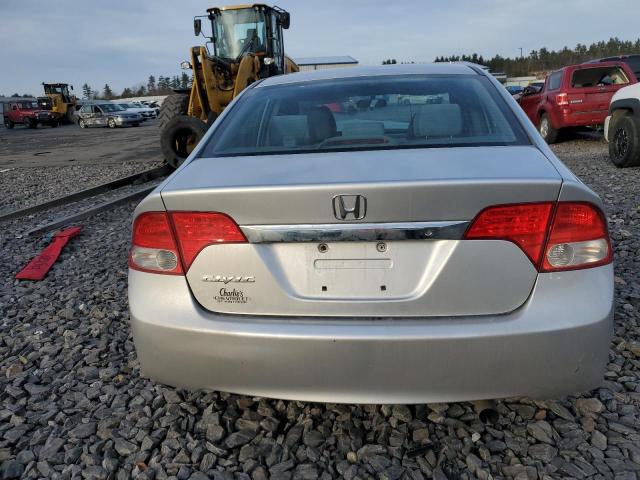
{"x": 411, "y": 111}
{"x": 598, "y": 77}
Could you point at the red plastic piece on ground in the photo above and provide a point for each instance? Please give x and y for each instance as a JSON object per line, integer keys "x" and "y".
{"x": 37, "y": 268}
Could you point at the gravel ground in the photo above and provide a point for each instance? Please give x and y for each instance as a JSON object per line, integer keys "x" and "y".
{"x": 46, "y": 183}
{"x": 73, "y": 404}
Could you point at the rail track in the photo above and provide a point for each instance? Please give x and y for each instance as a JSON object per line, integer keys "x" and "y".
{"x": 145, "y": 179}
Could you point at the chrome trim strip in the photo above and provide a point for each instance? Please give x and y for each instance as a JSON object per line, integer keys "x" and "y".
{"x": 354, "y": 232}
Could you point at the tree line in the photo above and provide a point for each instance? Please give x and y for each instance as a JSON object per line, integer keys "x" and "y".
{"x": 545, "y": 60}
{"x": 160, "y": 86}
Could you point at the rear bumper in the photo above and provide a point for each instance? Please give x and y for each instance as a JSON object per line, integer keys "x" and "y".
{"x": 555, "y": 344}
{"x": 567, "y": 118}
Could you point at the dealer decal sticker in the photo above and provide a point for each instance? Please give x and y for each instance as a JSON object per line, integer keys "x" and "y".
{"x": 231, "y": 296}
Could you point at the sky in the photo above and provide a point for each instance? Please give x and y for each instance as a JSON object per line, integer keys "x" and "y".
{"x": 122, "y": 42}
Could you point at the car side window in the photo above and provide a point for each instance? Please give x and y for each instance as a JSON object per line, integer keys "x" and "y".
{"x": 555, "y": 79}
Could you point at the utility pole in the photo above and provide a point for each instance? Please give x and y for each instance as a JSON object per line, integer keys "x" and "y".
{"x": 520, "y": 52}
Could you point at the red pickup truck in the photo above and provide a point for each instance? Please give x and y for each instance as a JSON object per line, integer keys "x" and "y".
{"x": 575, "y": 96}
{"x": 30, "y": 115}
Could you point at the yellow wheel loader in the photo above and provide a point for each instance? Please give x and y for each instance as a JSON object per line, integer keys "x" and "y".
{"x": 58, "y": 100}
{"x": 246, "y": 44}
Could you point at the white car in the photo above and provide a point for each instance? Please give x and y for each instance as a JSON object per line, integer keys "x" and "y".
{"x": 146, "y": 112}
{"x": 622, "y": 127}
{"x": 153, "y": 105}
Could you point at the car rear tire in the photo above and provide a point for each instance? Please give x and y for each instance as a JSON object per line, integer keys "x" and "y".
{"x": 173, "y": 106}
{"x": 180, "y": 137}
{"x": 82, "y": 123}
{"x": 8, "y": 123}
{"x": 624, "y": 141}
{"x": 546, "y": 130}
{"x": 111, "y": 123}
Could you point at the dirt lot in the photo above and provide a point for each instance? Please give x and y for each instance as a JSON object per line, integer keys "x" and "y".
{"x": 40, "y": 164}
{"x": 71, "y": 145}
{"x": 73, "y": 404}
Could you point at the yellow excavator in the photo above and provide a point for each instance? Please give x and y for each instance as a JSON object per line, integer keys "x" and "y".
{"x": 58, "y": 100}
{"x": 245, "y": 45}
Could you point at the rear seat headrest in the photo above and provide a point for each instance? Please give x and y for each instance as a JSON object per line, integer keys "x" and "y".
{"x": 287, "y": 130}
{"x": 437, "y": 120}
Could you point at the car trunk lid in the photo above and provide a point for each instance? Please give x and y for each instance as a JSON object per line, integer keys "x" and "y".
{"x": 401, "y": 254}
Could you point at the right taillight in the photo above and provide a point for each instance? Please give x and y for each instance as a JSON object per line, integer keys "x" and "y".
{"x": 578, "y": 238}
{"x": 562, "y": 99}
{"x": 564, "y": 236}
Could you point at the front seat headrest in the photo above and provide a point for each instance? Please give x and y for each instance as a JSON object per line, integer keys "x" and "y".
{"x": 321, "y": 124}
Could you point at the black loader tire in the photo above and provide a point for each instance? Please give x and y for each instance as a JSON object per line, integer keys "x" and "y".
{"x": 624, "y": 141}
{"x": 68, "y": 117}
{"x": 174, "y": 105}
{"x": 211, "y": 118}
{"x": 179, "y": 137}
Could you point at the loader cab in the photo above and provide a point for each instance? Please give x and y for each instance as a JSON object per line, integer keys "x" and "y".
{"x": 255, "y": 29}
{"x": 61, "y": 89}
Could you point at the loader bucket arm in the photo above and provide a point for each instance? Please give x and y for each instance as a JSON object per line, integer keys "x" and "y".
{"x": 247, "y": 73}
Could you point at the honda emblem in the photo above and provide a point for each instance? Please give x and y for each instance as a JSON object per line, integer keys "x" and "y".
{"x": 346, "y": 207}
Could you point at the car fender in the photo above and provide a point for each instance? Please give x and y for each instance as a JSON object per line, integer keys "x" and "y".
{"x": 632, "y": 104}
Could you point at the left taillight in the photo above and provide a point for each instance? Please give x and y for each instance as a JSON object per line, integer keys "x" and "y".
{"x": 153, "y": 246}
{"x": 168, "y": 243}
{"x": 197, "y": 230}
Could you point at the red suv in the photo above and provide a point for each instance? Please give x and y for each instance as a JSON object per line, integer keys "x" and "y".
{"x": 575, "y": 96}
{"x": 30, "y": 115}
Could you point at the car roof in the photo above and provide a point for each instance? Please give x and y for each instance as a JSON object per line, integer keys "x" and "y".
{"x": 440, "y": 68}
{"x": 615, "y": 57}
{"x": 611, "y": 63}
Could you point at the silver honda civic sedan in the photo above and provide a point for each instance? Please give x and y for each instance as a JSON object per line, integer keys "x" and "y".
{"x": 396, "y": 234}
